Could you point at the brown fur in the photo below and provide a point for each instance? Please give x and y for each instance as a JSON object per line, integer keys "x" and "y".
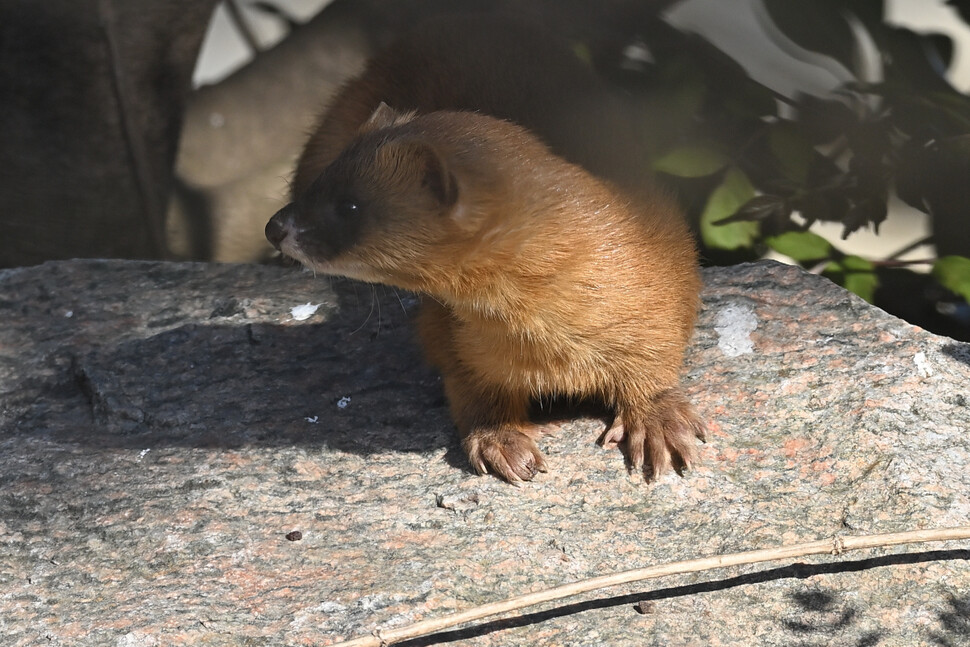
{"x": 543, "y": 280}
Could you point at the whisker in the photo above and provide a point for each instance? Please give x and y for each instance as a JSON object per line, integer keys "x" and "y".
{"x": 359, "y": 328}
{"x": 377, "y": 300}
{"x": 400, "y": 300}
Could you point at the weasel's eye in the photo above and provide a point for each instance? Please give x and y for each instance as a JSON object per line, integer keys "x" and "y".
{"x": 346, "y": 208}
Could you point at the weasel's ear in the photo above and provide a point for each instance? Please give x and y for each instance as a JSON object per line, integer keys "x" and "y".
{"x": 427, "y": 167}
{"x": 384, "y": 116}
{"x": 436, "y": 177}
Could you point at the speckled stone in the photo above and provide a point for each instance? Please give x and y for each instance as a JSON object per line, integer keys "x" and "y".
{"x": 164, "y": 427}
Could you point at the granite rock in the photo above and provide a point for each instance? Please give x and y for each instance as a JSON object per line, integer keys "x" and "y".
{"x": 164, "y": 428}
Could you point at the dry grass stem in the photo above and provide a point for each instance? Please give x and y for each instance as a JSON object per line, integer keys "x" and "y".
{"x": 834, "y": 546}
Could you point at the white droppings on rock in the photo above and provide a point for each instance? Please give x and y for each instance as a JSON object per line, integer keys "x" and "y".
{"x": 734, "y": 325}
{"x": 923, "y": 366}
{"x": 305, "y": 311}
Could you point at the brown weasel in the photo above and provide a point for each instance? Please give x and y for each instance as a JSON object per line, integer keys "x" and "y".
{"x": 543, "y": 280}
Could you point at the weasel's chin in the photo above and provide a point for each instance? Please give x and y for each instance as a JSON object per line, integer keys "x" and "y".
{"x": 348, "y": 270}
{"x": 291, "y": 249}
{"x": 336, "y": 267}
{"x": 288, "y": 247}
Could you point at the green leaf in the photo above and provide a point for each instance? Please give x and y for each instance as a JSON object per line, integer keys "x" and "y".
{"x": 769, "y": 209}
{"x": 803, "y": 246}
{"x": 953, "y": 273}
{"x": 863, "y": 284}
{"x": 856, "y": 275}
{"x": 857, "y": 264}
{"x": 691, "y": 161}
{"x": 734, "y": 191}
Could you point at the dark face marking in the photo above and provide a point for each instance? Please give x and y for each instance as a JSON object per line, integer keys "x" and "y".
{"x": 382, "y": 203}
{"x": 327, "y": 219}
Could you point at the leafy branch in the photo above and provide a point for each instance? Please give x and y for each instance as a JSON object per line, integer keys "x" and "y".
{"x": 757, "y": 169}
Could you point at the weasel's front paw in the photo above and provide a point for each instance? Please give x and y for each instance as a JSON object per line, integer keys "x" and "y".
{"x": 664, "y": 438}
{"x": 505, "y": 452}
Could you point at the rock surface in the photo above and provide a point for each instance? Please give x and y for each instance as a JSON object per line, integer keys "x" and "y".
{"x": 164, "y": 427}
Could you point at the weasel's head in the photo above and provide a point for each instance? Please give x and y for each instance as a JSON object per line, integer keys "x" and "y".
{"x": 381, "y": 212}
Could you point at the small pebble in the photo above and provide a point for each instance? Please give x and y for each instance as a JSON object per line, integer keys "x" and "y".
{"x": 296, "y": 535}
{"x": 645, "y": 606}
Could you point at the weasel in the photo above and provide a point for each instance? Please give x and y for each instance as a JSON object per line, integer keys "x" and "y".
{"x": 542, "y": 279}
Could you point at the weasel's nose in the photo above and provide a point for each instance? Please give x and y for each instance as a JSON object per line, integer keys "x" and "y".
{"x": 278, "y": 226}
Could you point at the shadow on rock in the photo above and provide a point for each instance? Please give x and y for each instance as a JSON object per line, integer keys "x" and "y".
{"x": 355, "y": 382}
